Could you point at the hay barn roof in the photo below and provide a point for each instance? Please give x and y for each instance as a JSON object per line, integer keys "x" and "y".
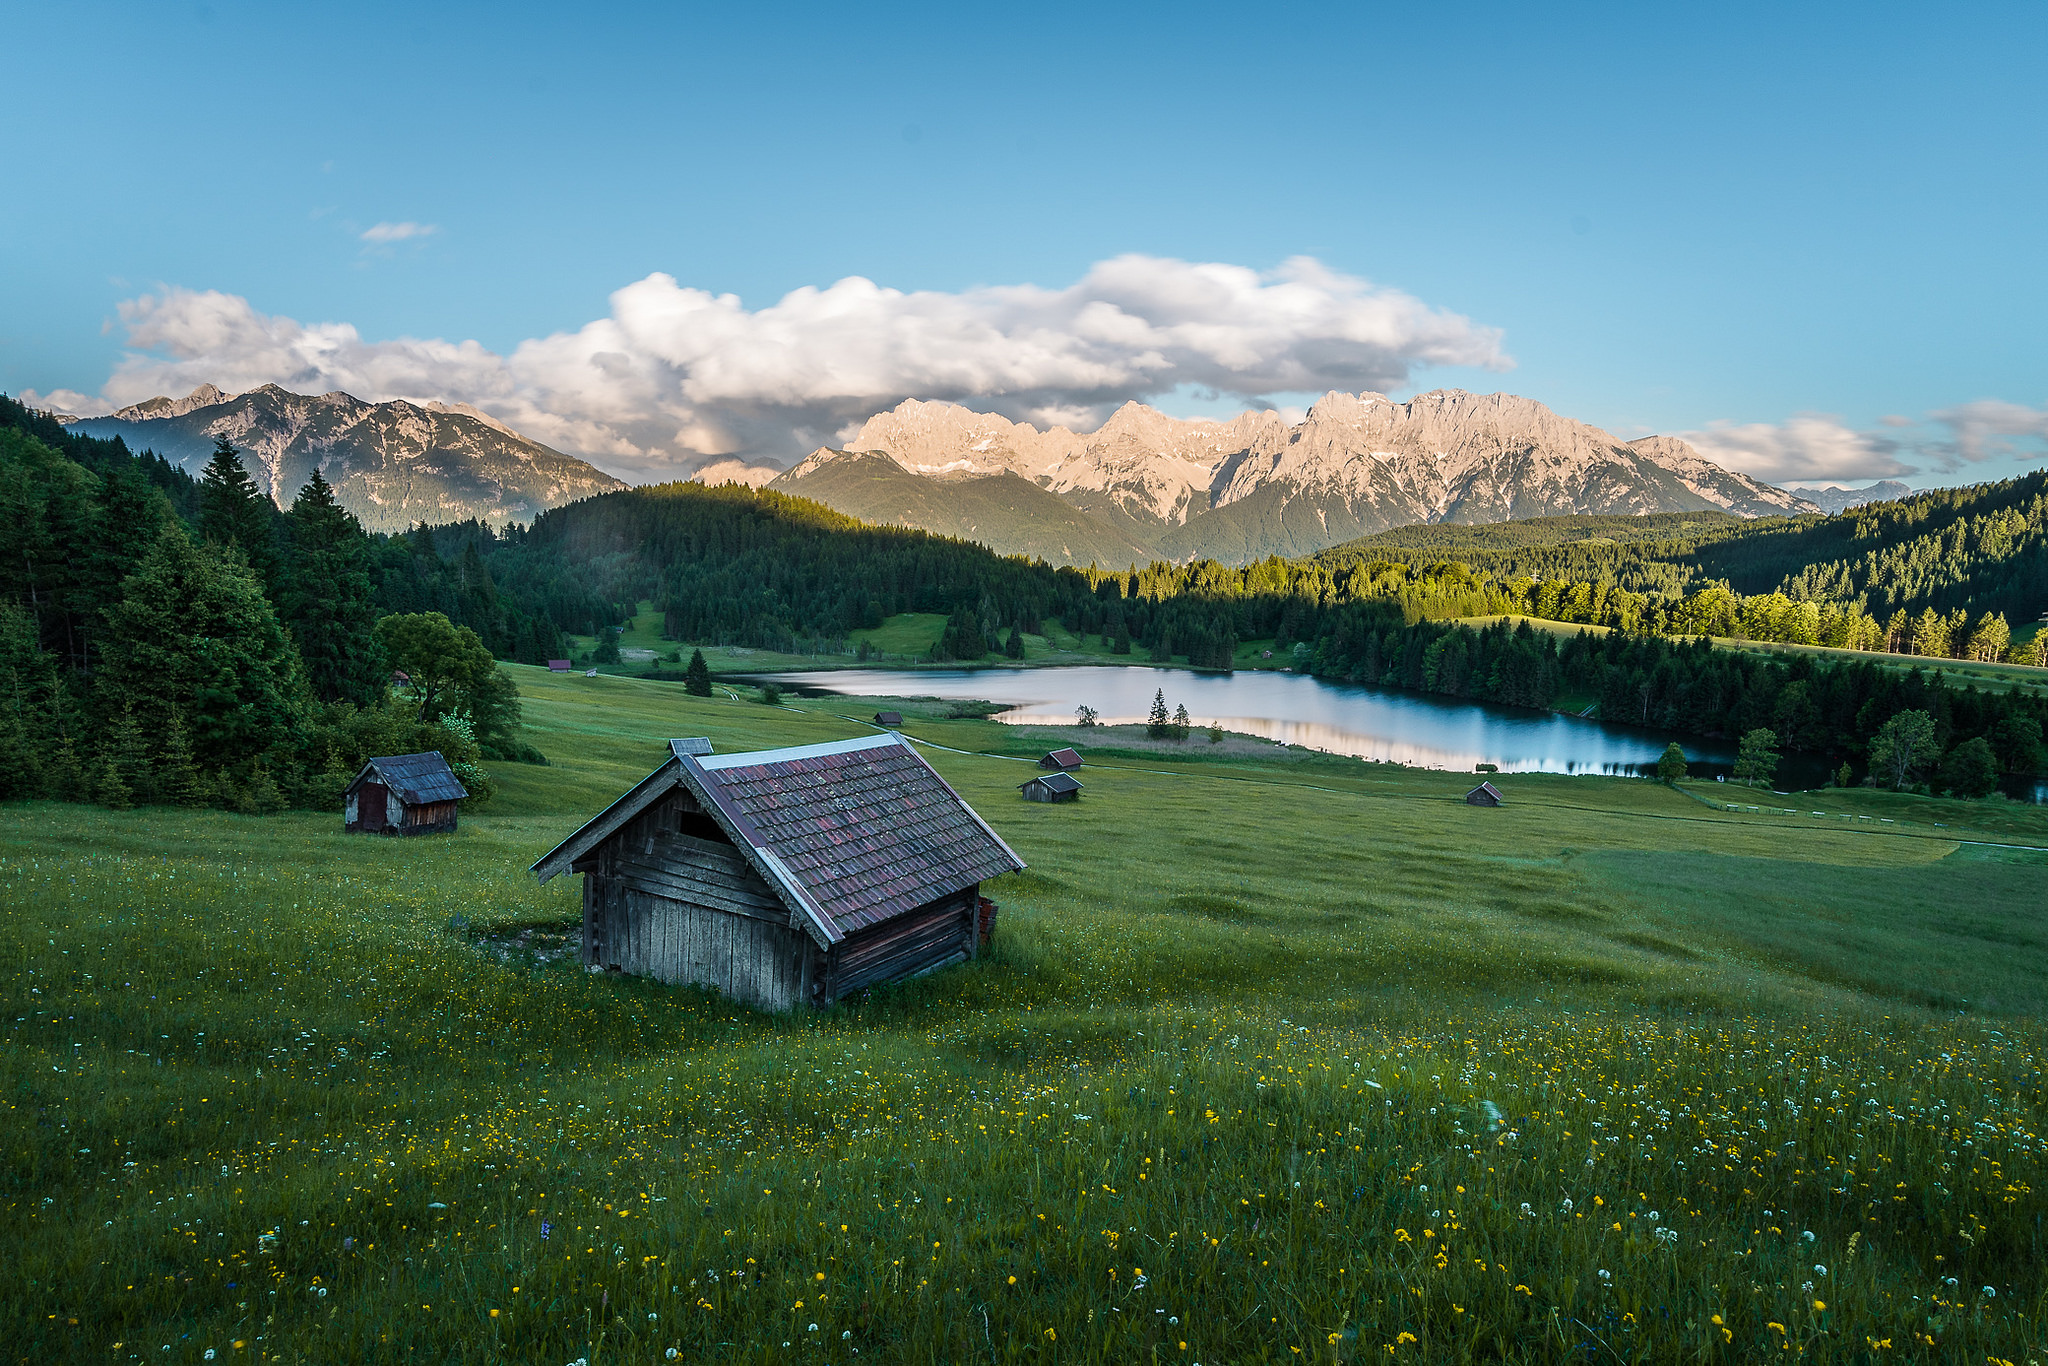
{"x": 416, "y": 778}
{"x": 849, "y": 833}
{"x": 1056, "y": 782}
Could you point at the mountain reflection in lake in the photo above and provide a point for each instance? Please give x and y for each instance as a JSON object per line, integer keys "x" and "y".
{"x": 1294, "y": 709}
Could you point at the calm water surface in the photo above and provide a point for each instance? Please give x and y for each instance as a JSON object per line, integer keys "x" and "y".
{"x": 1295, "y": 709}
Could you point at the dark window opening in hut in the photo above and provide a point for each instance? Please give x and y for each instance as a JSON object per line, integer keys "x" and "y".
{"x": 701, "y": 825}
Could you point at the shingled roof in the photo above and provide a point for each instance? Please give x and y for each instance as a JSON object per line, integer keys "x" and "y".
{"x": 416, "y": 778}
{"x": 848, "y": 833}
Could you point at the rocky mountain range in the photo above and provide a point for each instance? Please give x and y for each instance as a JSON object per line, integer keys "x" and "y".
{"x": 1151, "y": 486}
{"x": 391, "y": 464}
{"x": 1832, "y": 500}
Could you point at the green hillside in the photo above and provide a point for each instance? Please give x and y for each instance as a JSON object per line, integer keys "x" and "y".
{"x": 1233, "y": 1082}
{"x": 1000, "y": 509}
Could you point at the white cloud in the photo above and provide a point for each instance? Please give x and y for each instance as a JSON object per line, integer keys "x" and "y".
{"x": 379, "y": 234}
{"x": 1816, "y": 447}
{"x": 674, "y": 377}
{"x": 1990, "y": 428}
{"x": 1812, "y": 446}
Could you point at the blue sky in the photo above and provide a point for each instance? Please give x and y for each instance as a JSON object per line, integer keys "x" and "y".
{"x": 1775, "y": 227}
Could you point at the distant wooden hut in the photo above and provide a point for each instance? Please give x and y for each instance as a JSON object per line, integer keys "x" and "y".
{"x": 402, "y": 794}
{"x": 786, "y": 877}
{"x": 1066, "y": 760}
{"x": 1051, "y": 787}
{"x": 1486, "y": 794}
{"x": 891, "y": 719}
{"x": 558, "y": 666}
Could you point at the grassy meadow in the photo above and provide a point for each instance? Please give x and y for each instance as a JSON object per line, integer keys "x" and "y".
{"x": 1276, "y": 1057}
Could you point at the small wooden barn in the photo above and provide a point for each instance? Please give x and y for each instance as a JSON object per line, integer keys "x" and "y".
{"x": 402, "y": 794}
{"x": 1051, "y": 787}
{"x": 786, "y": 877}
{"x": 1065, "y": 760}
{"x": 558, "y": 666}
{"x": 1486, "y": 794}
{"x": 891, "y": 719}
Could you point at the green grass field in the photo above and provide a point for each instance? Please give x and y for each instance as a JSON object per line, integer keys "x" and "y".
{"x": 1275, "y": 1059}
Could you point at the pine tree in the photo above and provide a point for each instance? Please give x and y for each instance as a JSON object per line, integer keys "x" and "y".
{"x": 34, "y": 709}
{"x": 124, "y": 756}
{"x": 1991, "y": 639}
{"x": 177, "y": 776}
{"x": 697, "y": 677}
{"x": 1181, "y": 722}
{"x": 1158, "y": 724}
{"x": 194, "y": 640}
{"x": 130, "y": 515}
{"x": 1013, "y": 648}
{"x": 233, "y": 511}
{"x": 109, "y": 791}
{"x": 327, "y": 599}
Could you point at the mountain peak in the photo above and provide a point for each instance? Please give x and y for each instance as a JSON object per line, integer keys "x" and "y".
{"x": 391, "y": 464}
{"x": 205, "y": 396}
{"x": 1258, "y": 485}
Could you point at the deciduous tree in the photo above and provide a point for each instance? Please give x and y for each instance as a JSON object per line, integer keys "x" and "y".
{"x": 1756, "y": 758}
{"x": 1671, "y": 766}
{"x": 1902, "y": 747}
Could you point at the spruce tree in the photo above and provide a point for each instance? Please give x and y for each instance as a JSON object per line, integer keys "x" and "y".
{"x": 1013, "y": 648}
{"x": 126, "y": 758}
{"x": 34, "y": 712}
{"x": 177, "y": 776}
{"x": 327, "y": 600}
{"x": 233, "y": 511}
{"x": 1181, "y": 722}
{"x": 194, "y": 640}
{"x": 110, "y": 791}
{"x": 697, "y": 677}
{"x": 1158, "y": 725}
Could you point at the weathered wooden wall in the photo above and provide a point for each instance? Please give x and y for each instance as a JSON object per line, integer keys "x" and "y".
{"x": 428, "y": 818}
{"x": 685, "y": 908}
{"x": 926, "y": 939}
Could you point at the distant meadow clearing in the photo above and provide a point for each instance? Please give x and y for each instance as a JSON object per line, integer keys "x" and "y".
{"x": 1299, "y": 1059}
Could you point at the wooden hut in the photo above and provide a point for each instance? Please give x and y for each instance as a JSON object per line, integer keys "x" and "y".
{"x": 891, "y": 719}
{"x": 785, "y": 877}
{"x": 558, "y": 666}
{"x": 1052, "y": 787}
{"x": 402, "y": 794}
{"x": 1065, "y": 760}
{"x": 1486, "y": 794}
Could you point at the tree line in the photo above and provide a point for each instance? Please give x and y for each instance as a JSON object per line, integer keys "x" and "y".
{"x": 738, "y": 566}
{"x": 166, "y": 639}
{"x": 1835, "y": 709}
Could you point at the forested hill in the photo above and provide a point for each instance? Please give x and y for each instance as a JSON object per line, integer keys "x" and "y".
{"x": 1977, "y": 549}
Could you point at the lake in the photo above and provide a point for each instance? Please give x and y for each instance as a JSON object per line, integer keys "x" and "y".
{"x": 1295, "y": 709}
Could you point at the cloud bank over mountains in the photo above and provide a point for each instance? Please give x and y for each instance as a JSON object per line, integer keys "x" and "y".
{"x": 1819, "y": 447}
{"x": 675, "y": 377}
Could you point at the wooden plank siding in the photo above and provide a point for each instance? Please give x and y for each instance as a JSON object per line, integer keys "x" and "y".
{"x": 685, "y": 909}
{"x": 925, "y": 940}
{"x": 785, "y": 877}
